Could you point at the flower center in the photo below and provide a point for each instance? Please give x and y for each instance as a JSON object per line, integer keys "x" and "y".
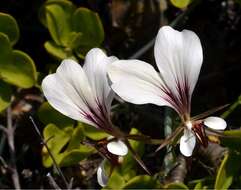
{"x": 188, "y": 124}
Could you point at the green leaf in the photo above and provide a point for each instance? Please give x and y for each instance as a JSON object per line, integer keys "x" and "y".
{"x": 56, "y": 140}
{"x": 115, "y": 181}
{"x": 74, "y": 156}
{"x": 89, "y": 25}
{"x": 227, "y": 170}
{"x": 128, "y": 168}
{"x": 16, "y": 67}
{"x": 58, "y": 19}
{"x": 47, "y": 114}
{"x": 232, "y": 139}
{"x": 180, "y": 3}
{"x": 93, "y": 133}
{"x": 176, "y": 186}
{"x": 64, "y": 145}
{"x": 5, "y": 95}
{"x": 57, "y": 51}
{"x": 9, "y": 26}
{"x": 142, "y": 182}
{"x": 64, "y": 3}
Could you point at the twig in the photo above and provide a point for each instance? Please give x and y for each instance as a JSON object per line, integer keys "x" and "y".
{"x": 10, "y": 138}
{"x": 70, "y": 185}
{"x": 50, "y": 154}
{"x": 52, "y": 181}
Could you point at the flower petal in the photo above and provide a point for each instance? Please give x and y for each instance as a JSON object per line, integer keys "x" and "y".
{"x": 117, "y": 147}
{"x": 187, "y": 143}
{"x": 216, "y": 123}
{"x": 102, "y": 178}
{"x": 179, "y": 58}
{"x": 137, "y": 82}
{"x": 95, "y": 67}
{"x": 69, "y": 92}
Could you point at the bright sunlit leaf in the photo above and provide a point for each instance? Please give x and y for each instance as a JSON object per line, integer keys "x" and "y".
{"x": 180, "y": 3}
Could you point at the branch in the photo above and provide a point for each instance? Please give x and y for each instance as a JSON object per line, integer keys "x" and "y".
{"x": 10, "y": 138}
{"x": 50, "y": 154}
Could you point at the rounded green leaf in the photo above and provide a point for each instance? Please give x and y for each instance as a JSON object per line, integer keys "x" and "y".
{"x": 142, "y": 182}
{"x": 23, "y": 70}
{"x": 56, "y": 140}
{"x": 115, "y": 181}
{"x": 58, "y": 52}
{"x": 5, "y": 95}
{"x": 9, "y": 26}
{"x": 16, "y": 67}
{"x": 180, "y": 3}
{"x": 64, "y": 3}
{"x": 58, "y": 20}
{"x": 47, "y": 114}
{"x": 74, "y": 156}
{"x": 88, "y": 23}
{"x": 176, "y": 186}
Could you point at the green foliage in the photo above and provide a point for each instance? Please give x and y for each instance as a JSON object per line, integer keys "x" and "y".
{"x": 93, "y": 133}
{"x": 5, "y": 95}
{"x": 232, "y": 139}
{"x": 122, "y": 176}
{"x": 74, "y": 30}
{"x": 176, "y": 186}
{"x": 47, "y": 114}
{"x": 142, "y": 182}
{"x": 128, "y": 168}
{"x": 8, "y": 26}
{"x": 180, "y": 3}
{"x": 228, "y": 169}
{"x": 16, "y": 67}
{"x": 64, "y": 145}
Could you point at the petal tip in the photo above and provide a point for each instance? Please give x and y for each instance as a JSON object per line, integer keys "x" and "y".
{"x": 117, "y": 147}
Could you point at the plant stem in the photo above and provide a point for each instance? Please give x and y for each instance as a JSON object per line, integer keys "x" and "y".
{"x": 231, "y": 108}
{"x": 169, "y": 157}
{"x": 50, "y": 154}
{"x": 10, "y": 138}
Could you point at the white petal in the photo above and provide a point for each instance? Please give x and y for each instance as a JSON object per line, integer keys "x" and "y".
{"x": 187, "y": 143}
{"x": 117, "y": 147}
{"x": 216, "y": 123}
{"x": 137, "y": 82}
{"x": 95, "y": 67}
{"x": 179, "y": 58}
{"x": 68, "y": 91}
{"x": 102, "y": 178}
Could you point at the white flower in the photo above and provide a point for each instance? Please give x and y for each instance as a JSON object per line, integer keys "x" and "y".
{"x": 84, "y": 94}
{"x": 179, "y": 59}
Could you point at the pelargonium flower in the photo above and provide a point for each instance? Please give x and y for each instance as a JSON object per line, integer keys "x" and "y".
{"x": 84, "y": 94}
{"x": 179, "y": 59}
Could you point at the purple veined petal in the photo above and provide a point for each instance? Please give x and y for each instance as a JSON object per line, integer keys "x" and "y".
{"x": 187, "y": 143}
{"x": 216, "y": 123}
{"x": 65, "y": 94}
{"x": 95, "y": 67}
{"x": 102, "y": 178}
{"x": 117, "y": 147}
{"x": 137, "y": 82}
{"x": 179, "y": 58}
